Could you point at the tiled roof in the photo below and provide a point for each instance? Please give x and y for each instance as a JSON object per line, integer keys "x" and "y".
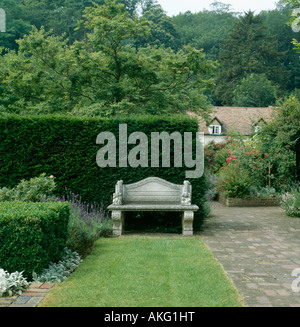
{"x": 241, "y": 118}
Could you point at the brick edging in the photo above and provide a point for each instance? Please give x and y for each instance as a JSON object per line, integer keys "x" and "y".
{"x": 249, "y": 202}
{"x": 29, "y": 298}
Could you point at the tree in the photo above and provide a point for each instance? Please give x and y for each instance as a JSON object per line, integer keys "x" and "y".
{"x": 17, "y": 24}
{"x": 278, "y": 140}
{"x": 162, "y": 30}
{"x": 206, "y": 29}
{"x": 255, "y": 90}
{"x": 295, "y": 21}
{"x": 248, "y": 50}
{"x": 59, "y": 15}
{"x": 103, "y": 74}
{"x": 276, "y": 23}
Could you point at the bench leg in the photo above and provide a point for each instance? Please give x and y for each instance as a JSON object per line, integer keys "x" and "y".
{"x": 118, "y": 217}
{"x": 187, "y": 223}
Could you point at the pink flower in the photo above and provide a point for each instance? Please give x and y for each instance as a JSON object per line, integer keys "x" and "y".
{"x": 228, "y": 160}
{"x": 233, "y": 158}
{"x": 51, "y": 176}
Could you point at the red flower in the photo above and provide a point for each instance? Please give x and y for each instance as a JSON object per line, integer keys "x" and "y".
{"x": 233, "y": 158}
{"x": 255, "y": 168}
{"x": 228, "y": 160}
{"x": 266, "y": 155}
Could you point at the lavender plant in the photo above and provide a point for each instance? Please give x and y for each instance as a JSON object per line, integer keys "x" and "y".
{"x": 211, "y": 184}
{"x": 87, "y": 223}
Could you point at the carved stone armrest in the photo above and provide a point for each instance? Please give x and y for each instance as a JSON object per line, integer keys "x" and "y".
{"x": 186, "y": 193}
{"x": 118, "y": 195}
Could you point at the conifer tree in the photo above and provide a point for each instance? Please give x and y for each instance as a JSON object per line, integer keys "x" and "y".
{"x": 248, "y": 50}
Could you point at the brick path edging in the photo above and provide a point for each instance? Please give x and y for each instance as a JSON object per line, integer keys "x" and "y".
{"x": 29, "y": 298}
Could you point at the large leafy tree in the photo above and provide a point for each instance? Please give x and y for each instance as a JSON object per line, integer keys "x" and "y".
{"x": 103, "y": 74}
{"x": 276, "y": 23}
{"x": 295, "y": 20}
{"x": 206, "y": 29}
{"x": 59, "y": 15}
{"x": 255, "y": 90}
{"x": 248, "y": 50}
{"x": 162, "y": 29}
{"x": 17, "y": 23}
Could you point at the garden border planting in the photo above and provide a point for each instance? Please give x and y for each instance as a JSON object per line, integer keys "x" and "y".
{"x": 248, "y": 202}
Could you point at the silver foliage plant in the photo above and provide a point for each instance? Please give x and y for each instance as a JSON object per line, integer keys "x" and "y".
{"x": 15, "y": 283}
{"x": 11, "y": 284}
{"x": 57, "y": 272}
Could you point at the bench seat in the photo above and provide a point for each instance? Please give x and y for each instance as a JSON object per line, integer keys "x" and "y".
{"x": 153, "y": 207}
{"x": 152, "y": 194}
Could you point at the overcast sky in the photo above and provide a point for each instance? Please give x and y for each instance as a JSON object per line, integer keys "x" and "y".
{"x": 174, "y": 7}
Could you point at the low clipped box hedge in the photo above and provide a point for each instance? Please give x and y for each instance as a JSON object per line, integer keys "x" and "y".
{"x": 32, "y": 235}
{"x": 66, "y": 147}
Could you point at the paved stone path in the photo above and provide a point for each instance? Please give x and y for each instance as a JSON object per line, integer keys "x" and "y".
{"x": 259, "y": 248}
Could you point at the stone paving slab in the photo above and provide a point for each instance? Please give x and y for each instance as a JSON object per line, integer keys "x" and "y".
{"x": 258, "y": 248}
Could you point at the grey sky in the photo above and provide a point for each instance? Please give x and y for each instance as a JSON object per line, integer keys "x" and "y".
{"x": 174, "y": 7}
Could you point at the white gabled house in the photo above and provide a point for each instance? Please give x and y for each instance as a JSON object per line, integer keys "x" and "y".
{"x": 246, "y": 120}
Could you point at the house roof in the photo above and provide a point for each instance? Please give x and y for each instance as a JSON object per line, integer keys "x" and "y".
{"x": 241, "y": 118}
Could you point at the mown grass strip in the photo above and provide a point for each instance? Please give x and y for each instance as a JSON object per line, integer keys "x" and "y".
{"x": 146, "y": 272}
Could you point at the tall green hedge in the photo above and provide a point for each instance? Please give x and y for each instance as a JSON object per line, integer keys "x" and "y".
{"x": 66, "y": 147}
{"x": 32, "y": 235}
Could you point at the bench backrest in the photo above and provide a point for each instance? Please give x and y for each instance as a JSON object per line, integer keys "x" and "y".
{"x": 153, "y": 190}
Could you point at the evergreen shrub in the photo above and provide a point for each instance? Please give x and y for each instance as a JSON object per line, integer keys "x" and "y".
{"x": 32, "y": 235}
{"x": 65, "y": 147}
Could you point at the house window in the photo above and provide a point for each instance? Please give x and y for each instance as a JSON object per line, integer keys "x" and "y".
{"x": 215, "y": 129}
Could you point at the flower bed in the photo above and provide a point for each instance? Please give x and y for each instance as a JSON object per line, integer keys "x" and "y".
{"x": 249, "y": 202}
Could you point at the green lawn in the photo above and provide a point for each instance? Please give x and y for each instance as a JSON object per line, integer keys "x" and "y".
{"x": 146, "y": 272}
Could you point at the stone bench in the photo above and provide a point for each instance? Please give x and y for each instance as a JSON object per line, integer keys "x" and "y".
{"x": 152, "y": 194}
